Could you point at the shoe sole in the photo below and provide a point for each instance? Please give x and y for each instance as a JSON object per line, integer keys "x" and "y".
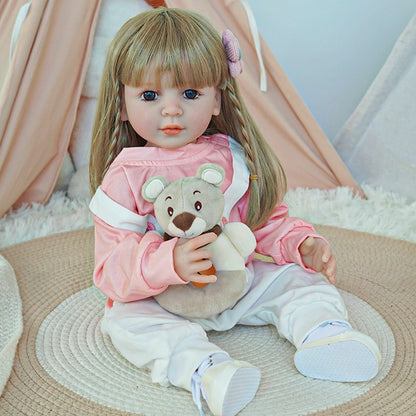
{"x": 241, "y": 390}
{"x": 347, "y": 357}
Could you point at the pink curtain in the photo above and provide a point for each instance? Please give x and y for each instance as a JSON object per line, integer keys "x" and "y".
{"x": 40, "y": 90}
{"x": 41, "y": 86}
{"x": 306, "y": 153}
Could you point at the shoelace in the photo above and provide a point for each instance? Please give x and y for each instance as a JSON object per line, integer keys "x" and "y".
{"x": 196, "y": 383}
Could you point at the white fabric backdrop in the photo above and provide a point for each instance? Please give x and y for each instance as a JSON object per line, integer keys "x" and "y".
{"x": 378, "y": 141}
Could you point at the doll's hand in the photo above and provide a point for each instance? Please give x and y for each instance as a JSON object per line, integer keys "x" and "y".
{"x": 190, "y": 257}
{"x": 317, "y": 255}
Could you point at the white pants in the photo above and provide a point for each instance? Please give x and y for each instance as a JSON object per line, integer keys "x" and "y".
{"x": 290, "y": 298}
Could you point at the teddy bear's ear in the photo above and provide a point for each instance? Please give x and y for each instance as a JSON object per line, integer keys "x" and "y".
{"x": 211, "y": 173}
{"x": 153, "y": 187}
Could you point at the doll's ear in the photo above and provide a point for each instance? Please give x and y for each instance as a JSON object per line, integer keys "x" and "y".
{"x": 153, "y": 187}
{"x": 211, "y": 173}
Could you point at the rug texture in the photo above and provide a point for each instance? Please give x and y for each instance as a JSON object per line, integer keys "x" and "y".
{"x": 63, "y": 363}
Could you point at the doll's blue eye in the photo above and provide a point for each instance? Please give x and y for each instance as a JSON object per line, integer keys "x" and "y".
{"x": 191, "y": 94}
{"x": 149, "y": 95}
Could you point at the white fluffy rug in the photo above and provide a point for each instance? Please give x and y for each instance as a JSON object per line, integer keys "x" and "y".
{"x": 382, "y": 213}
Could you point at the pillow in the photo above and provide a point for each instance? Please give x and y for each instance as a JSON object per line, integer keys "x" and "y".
{"x": 11, "y": 320}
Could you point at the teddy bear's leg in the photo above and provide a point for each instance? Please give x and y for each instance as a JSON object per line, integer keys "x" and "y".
{"x": 192, "y": 302}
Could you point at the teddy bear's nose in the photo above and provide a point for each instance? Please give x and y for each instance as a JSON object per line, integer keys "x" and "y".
{"x": 184, "y": 221}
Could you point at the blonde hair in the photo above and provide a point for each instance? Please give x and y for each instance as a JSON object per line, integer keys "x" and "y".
{"x": 186, "y": 45}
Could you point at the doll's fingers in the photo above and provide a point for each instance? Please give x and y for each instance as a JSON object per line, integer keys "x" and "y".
{"x": 307, "y": 246}
{"x": 203, "y": 278}
{"x": 202, "y": 240}
{"x": 327, "y": 254}
{"x": 329, "y": 275}
{"x": 331, "y": 278}
{"x": 200, "y": 266}
{"x": 200, "y": 254}
{"x": 331, "y": 270}
{"x": 328, "y": 259}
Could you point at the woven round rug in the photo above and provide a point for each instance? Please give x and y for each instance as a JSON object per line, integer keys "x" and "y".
{"x": 71, "y": 348}
{"x": 62, "y": 361}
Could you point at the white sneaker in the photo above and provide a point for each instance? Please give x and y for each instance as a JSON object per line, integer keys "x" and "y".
{"x": 349, "y": 356}
{"x": 229, "y": 386}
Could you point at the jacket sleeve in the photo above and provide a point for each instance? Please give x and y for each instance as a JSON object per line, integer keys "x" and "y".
{"x": 281, "y": 237}
{"x": 130, "y": 264}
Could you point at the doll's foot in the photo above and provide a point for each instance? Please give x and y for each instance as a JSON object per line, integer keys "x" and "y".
{"x": 227, "y": 387}
{"x": 346, "y": 355}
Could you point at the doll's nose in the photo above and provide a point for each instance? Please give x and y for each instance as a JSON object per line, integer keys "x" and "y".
{"x": 171, "y": 108}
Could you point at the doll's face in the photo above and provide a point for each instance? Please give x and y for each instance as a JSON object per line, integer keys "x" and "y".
{"x": 169, "y": 117}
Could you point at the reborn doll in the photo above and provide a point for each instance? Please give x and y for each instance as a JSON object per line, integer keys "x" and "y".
{"x": 169, "y": 103}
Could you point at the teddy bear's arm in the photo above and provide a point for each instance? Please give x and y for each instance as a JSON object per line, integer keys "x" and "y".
{"x": 241, "y": 237}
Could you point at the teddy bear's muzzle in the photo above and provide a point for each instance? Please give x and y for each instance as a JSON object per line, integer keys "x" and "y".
{"x": 186, "y": 225}
{"x": 184, "y": 221}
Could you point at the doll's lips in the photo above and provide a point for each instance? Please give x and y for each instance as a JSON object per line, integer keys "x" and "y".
{"x": 172, "y": 130}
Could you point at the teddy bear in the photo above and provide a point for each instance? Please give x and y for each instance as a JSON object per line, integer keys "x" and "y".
{"x": 186, "y": 208}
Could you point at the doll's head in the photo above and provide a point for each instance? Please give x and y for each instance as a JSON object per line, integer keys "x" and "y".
{"x": 186, "y": 46}
{"x": 176, "y": 41}
{"x": 152, "y": 44}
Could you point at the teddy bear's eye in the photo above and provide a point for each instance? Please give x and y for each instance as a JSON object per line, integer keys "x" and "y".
{"x": 170, "y": 211}
{"x": 198, "y": 205}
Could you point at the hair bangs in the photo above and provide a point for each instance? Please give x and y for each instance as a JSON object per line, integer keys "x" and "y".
{"x": 191, "y": 54}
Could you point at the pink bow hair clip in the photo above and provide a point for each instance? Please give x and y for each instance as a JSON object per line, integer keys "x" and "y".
{"x": 233, "y": 52}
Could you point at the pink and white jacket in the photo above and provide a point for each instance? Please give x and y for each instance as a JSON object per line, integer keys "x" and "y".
{"x": 132, "y": 262}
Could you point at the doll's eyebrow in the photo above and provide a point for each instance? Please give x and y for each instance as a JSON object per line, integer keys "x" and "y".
{"x": 196, "y": 192}
{"x": 168, "y": 197}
